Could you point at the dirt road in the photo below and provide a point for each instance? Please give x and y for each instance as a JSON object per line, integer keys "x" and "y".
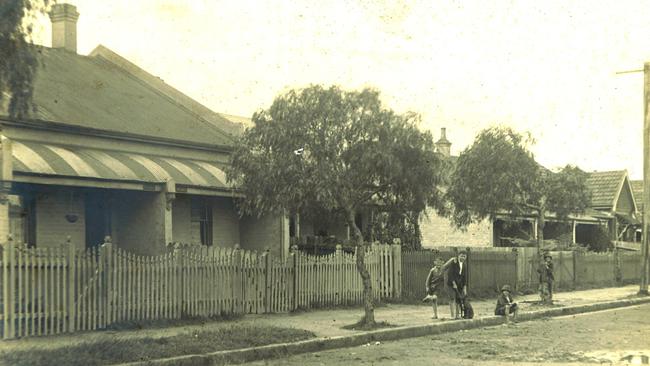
{"x": 592, "y": 338}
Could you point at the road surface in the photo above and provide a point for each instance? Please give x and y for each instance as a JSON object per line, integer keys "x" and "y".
{"x": 593, "y": 338}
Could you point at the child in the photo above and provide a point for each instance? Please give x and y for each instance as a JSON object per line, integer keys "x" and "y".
{"x": 505, "y": 305}
{"x": 434, "y": 281}
{"x": 546, "y": 278}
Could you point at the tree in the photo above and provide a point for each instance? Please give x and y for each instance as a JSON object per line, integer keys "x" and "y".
{"x": 498, "y": 174}
{"x": 339, "y": 151}
{"x": 18, "y": 62}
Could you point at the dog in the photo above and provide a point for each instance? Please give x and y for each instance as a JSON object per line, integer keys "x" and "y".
{"x": 466, "y": 309}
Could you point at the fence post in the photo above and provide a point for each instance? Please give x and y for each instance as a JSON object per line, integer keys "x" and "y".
{"x": 237, "y": 280}
{"x": 575, "y": 269}
{"x": 618, "y": 274}
{"x": 294, "y": 264}
{"x": 267, "y": 280}
{"x": 468, "y": 269}
{"x": 7, "y": 287}
{"x": 105, "y": 257}
{"x": 177, "y": 283}
{"x": 72, "y": 279}
{"x": 397, "y": 270}
{"x": 516, "y": 281}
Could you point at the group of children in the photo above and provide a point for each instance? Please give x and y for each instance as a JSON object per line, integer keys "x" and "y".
{"x": 456, "y": 285}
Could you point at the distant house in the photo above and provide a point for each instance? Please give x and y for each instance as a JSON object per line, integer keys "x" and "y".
{"x": 613, "y": 198}
{"x": 113, "y": 150}
{"x": 440, "y": 231}
{"x": 613, "y": 207}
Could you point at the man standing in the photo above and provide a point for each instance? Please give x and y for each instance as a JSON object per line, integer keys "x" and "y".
{"x": 457, "y": 283}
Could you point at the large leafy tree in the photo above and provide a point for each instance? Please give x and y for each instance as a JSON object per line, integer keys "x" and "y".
{"x": 327, "y": 149}
{"x": 18, "y": 63}
{"x": 498, "y": 174}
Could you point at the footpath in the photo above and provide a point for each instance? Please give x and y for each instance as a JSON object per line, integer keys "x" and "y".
{"x": 409, "y": 320}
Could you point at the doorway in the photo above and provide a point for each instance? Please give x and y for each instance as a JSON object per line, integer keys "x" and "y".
{"x": 98, "y": 217}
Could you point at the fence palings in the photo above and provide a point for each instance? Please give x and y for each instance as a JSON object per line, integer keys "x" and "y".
{"x": 64, "y": 289}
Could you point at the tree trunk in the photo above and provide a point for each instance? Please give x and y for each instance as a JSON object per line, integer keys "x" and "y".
{"x": 417, "y": 244}
{"x": 369, "y": 307}
{"x": 541, "y": 223}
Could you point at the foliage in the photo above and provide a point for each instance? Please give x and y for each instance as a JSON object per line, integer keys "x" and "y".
{"x": 389, "y": 226}
{"x": 598, "y": 240}
{"x": 340, "y": 152}
{"x": 498, "y": 174}
{"x": 335, "y": 150}
{"x": 18, "y": 62}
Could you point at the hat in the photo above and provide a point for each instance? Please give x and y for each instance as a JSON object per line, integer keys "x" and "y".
{"x": 547, "y": 256}
{"x": 506, "y": 288}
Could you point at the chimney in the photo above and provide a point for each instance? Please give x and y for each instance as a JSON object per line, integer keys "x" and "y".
{"x": 64, "y": 26}
{"x": 443, "y": 145}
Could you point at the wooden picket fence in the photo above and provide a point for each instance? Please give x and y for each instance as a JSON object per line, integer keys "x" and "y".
{"x": 61, "y": 289}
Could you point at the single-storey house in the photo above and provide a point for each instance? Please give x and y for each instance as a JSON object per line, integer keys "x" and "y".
{"x": 612, "y": 194}
{"x": 113, "y": 150}
{"x": 613, "y": 206}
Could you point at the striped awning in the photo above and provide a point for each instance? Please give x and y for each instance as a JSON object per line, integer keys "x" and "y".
{"x": 45, "y": 159}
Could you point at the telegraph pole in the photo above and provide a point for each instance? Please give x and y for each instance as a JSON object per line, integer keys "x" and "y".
{"x": 645, "y": 245}
{"x": 643, "y": 289}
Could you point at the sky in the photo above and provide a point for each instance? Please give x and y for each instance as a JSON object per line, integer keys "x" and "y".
{"x": 544, "y": 67}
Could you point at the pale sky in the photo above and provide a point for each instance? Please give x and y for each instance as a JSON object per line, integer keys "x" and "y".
{"x": 547, "y": 67}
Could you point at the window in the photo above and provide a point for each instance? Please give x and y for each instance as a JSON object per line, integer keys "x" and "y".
{"x": 201, "y": 221}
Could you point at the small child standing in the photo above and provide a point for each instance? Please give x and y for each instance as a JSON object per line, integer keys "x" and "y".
{"x": 435, "y": 280}
{"x": 505, "y": 304}
{"x": 546, "y": 279}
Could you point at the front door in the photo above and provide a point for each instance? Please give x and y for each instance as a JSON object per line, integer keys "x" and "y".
{"x": 98, "y": 217}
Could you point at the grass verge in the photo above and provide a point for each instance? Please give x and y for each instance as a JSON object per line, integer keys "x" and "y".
{"x": 360, "y": 325}
{"x": 144, "y": 349}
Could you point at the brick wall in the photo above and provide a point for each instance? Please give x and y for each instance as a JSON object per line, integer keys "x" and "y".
{"x": 138, "y": 222}
{"x": 52, "y": 228}
{"x": 181, "y": 219}
{"x": 438, "y": 231}
{"x": 270, "y": 231}
{"x": 225, "y": 223}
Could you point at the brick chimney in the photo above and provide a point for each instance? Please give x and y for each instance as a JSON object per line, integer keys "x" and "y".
{"x": 443, "y": 145}
{"x": 64, "y": 26}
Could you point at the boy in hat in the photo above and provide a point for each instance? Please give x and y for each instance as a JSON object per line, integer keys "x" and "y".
{"x": 434, "y": 280}
{"x": 546, "y": 278}
{"x": 505, "y": 304}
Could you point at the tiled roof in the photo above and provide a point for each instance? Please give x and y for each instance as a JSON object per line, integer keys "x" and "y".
{"x": 637, "y": 189}
{"x": 604, "y": 187}
{"x": 104, "y": 91}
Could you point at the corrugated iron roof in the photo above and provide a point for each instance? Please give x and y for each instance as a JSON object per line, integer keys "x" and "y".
{"x": 604, "y": 187}
{"x": 93, "y": 92}
{"x": 54, "y": 160}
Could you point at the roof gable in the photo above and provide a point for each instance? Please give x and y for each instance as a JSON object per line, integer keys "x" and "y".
{"x": 93, "y": 92}
{"x": 605, "y": 188}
